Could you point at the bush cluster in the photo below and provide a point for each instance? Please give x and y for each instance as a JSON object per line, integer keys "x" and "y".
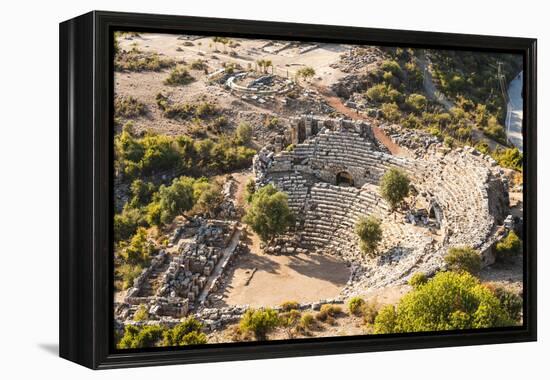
{"x": 464, "y": 259}
{"x": 137, "y": 60}
{"x": 449, "y": 301}
{"x": 138, "y": 157}
{"x": 129, "y": 107}
{"x": 259, "y": 322}
{"x": 179, "y": 76}
{"x": 186, "y": 333}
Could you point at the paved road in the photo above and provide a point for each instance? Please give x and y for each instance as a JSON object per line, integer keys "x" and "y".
{"x": 514, "y": 114}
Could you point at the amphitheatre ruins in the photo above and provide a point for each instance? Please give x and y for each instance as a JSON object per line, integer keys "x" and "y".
{"x": 326, "y": 146}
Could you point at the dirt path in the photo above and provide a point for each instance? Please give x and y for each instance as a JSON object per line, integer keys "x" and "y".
{"x": 336, "y": 103}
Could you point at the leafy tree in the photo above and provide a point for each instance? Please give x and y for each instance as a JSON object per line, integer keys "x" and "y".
{"x": 370, "y": 233}
{"x": 269, "y": 214}
{"x": 394, "y": 186}
{"x": 140, "y": 249}
{"x": 449, "y": 301}
{"x": 208, "y": 199}
{"x": 126, "y": 223}
{"x": 175, "y": 199}
{"x": 463, "y": 259}
{"x": 259, "y": 322}
{"x": 141, "y": 192}
{"x": 186, "y": 333}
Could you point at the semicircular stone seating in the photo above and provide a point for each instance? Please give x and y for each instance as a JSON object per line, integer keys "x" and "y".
{"x": 457, "y": 181}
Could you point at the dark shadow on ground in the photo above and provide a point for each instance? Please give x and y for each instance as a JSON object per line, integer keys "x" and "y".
{"x": 322, "y": 267}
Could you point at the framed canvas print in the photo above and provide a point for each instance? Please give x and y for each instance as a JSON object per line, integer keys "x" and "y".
{"x": 236, "y": 189}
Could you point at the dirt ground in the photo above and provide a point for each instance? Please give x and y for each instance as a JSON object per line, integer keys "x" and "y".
{"x": 508, "y": 274}
{"x": 145, "y": 86}
{"x": 259, "y": 279}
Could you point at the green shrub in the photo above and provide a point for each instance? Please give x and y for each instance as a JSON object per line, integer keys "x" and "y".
{"x": 495, "y": 131}
{"x": 328, "y": 312}
{"x": 199, "y": 64}
{"x": 186, "y": 333}
{"x": 259, "y": 322}
{"x": 383, "y": 93}
{"x": 243, "y": 134}
{"x": 290, "y": 147}
{"x": 140, "y": 337}
{"x": 411, "y": 122}
{"x": 355, "y": 304}
{"x": 205, "y": 109}
{"x": 290, "y": 305}
{"x": 416, "y": 102}
{"x": 126, "y": 223}
{"x": 137, "y": 60}
{"x": 391, "y": 111}
{"x": 269, "y": 214}
{"x": 509, "y": 158}
{"x": 140, "y": 249}
{"x": 449, "y": 141}
{"x": 391, "y": 66}
{"x": 369, "y": 231}
{"x": 290, "y": 318}
{"x": 449, "y": 301}
{"x": 509, "y": 246}
{"x": 386, "y": 320}
{"x": 307, "y": 321}
{"x": 272, "y": 123}
{"x": 250, "y": 189}
{"x": 463, "y": 259}
{"x": 141, "y": 314}
{"x": 369, "y": 311}
{"x": 511, "y": 302}
{"x": 418, "y": 279}
{"x": 126, "y": 273}
{"x": 209, "y": 199}
{"x": 129, "y": 107}
{"x": 179, "y": 76}
{"x": 394, "y": 186}
{"x": 175, "y": 199}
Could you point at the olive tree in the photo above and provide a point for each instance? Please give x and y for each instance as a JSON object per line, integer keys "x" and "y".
{"x": 394, "y": 186}
{"x": 370, "y": 234}
{"x": 269, "y": 214}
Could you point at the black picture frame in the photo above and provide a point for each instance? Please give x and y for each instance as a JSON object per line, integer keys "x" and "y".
{"x": 86, "y": 135}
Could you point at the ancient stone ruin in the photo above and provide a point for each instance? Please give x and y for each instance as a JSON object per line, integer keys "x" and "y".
{"x": 331, "y": 178}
